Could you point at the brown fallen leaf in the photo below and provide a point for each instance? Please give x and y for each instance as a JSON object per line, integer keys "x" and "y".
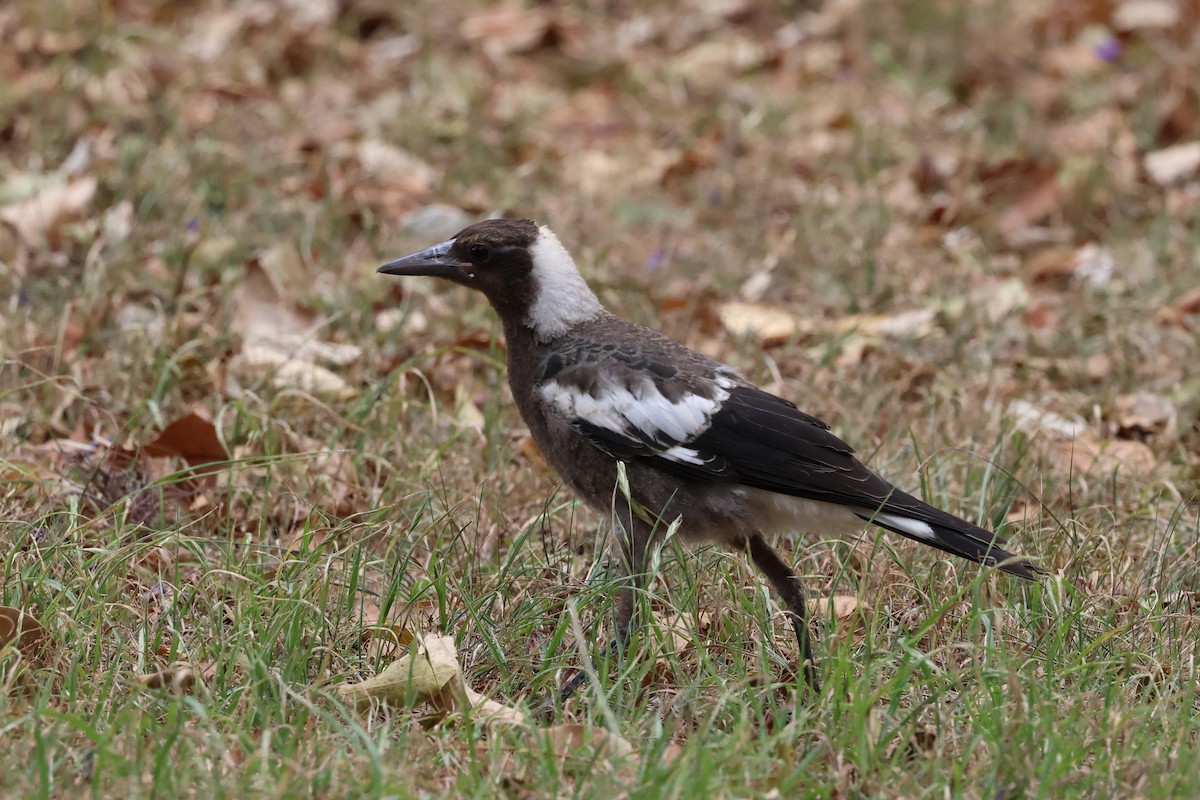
{"x": 180, "y": 677}
{"x": 22, "y": 628}
{"x": 1180, "y": 309}
{"x": 192, "y": 438}
{"x": 1033, "y": 206}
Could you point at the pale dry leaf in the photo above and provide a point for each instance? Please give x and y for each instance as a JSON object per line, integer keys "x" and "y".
{"x": 490, "y": 711}
{"x": 841, "y": 605}
{"x": 770, "y": 325}
{"x": 431, "y": 673}
{"x": 437, "y": 221}
{"x": 714, "y": 61}
{"x": 401, "y": 321}
{"x": 466, "y": 414}
{"x": 507, "y": 29}
{"x": 1032, "y": 419}
{"x": 311, "y": 13}
{"x": 1132, "y": 15}
{"x": 568, "y": 739}
{"x": 282, "y": 340}
{"x": 1172, "y": 165}
{"x": 396, "y": 167}
{"x": 287, "y": 372}
{"x": 911, "y": 324}
{"x": 1090, "y": 455}
{"x": 1001, "y": 299}
{"x": 422, "y": 673}
{"x": 262, "y": 315}
{"x": 41, "y": 214}
{"x": 1094, "y": 265}
{"x": 284, "y": 269}
{"x": 211, "y": 34}
{"x": 118, "y": 222}
{"x": 1144, "y": 414}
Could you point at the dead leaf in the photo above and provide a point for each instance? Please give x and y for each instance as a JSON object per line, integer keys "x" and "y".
{"x": 431, "y": 674}
{"x": 192, "y": 438}
{"x": 39, "y": 216}
{"x": 842, "y": 606}
{"x": 1032, "y": 419}
{"x": 1173, "y": 165}
{"x": 1094, "y": 265}
{"x": 261, "y": 312}
{"x": 508, "y": 29}
{"x": 181, "y": 677}
{"x": 911, "y": 324}
{"x": 715, "y": 60}
{"x": 1036, "y": 204}
{"x": 1087, "y": 454}
{"x": 1051, "y": 265}
{"x": 21, "y": 627}
{"x": 1180, "y": 309}
{"x": 568, "y": 739}
{"x": 770, "y": 325}
{"x": 1144, "y": 414}
{"x": 396, "y": 168}
{"x": 1132, "y": 15}
{"x": 288, "y": 372}
{"x": 281, "y": 340}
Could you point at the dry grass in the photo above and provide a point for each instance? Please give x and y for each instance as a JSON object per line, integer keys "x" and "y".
{"x": 173, "y": 176}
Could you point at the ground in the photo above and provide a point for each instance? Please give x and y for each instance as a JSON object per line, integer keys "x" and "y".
{"x": 241, "y": 470}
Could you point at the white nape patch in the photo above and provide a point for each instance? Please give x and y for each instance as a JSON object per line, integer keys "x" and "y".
{"x": 640, "y": 409}
{"x": 913, "y": 527}
{"x": 563, "y": 298}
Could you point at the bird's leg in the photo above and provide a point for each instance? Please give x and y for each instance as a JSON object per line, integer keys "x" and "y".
{"x": 786, "y": 584}
{"x": 632, "y": 544}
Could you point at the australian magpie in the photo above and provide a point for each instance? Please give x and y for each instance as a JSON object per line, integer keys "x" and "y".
{"x": 699, "y": 442}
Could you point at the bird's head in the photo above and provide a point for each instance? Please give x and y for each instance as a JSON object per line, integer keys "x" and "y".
{"x": 525, "y": 272}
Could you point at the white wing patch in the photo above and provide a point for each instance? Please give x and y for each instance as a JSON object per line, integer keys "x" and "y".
{"x": 642, "y": 413}
{"x": 913, "y": 527}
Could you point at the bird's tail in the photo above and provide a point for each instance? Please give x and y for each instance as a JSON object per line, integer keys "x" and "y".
{"x": 911, "y": 518}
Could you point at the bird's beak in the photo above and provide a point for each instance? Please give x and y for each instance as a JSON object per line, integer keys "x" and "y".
{"x": 435, "y": 261}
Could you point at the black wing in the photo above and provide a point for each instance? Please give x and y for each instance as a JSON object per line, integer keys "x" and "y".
{"x": 712, "y": 426}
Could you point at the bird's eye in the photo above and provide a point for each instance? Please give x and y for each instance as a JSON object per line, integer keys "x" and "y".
{"x": 479, "y": 253}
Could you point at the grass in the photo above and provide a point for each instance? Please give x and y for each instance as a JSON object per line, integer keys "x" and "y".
{"x": 411, "y": 500}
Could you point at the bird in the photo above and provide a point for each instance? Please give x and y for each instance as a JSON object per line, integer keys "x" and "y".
{"x": 659, "y": 436}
